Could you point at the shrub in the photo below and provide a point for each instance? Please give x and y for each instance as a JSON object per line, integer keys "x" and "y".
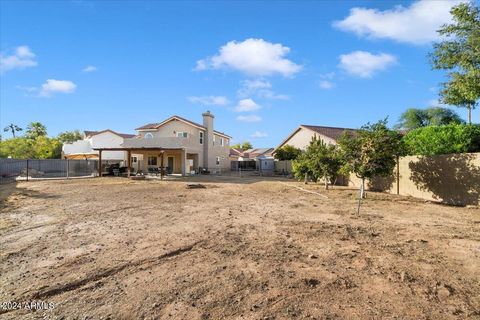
{"x": 453, "y": 138}
{"x": 287, "y": 152}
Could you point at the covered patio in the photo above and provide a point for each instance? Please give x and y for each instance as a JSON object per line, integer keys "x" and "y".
{"x": 154, "y": 159}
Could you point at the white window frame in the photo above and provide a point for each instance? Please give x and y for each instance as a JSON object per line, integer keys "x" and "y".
{"x": 213, "y": 139}
{"x": 217, "y": 161}
{"x": 148, "y": 135}
{"x": 134, "y": 160}
{"x": 222, "y": 143}
{"x": 201, "y": 137}
{"x": 182, "y": 134}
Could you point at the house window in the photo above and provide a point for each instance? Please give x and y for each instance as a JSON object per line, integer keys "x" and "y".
{"x": 148, "y": 135}
{"x": 152, "y": 161}
{"x": 213, "y": 139}
{"x": 221, "y": 142}
{"x": 217, "y": 161}
{"x": 201, "y": 138}
{"x": 182, "y": 134}
{"x": 134, "y": 159}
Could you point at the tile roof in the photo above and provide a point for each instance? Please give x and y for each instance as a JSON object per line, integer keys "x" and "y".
{"x": 93, "y": 133}
{"x": 195, "y": 124}
{"x": 331, "y": 132}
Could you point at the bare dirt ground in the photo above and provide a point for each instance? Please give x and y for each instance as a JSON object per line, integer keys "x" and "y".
{"x": 111, "y": 248}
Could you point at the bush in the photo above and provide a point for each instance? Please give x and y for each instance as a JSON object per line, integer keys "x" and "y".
{"x": 287, "y": 152}
{"x": 453, "y": 138}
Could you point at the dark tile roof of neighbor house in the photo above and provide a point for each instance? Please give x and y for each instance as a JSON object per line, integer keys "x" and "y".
{"x": 331, "y": 132}
{"x": 155, "y": 125}
{"x": 93, "y": 133}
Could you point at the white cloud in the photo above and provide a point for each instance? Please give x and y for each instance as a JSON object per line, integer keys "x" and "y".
{"x": 89, "y": 69}
{"x": 255, "y": 57}
{"x": 52, "y": 86}
{"x": 247, "y": 105}
{"x": 27, "y": 89}
{"x": 260, "y": 88}
{"x": 21, "y": 58}
{"x": 325, "y": 84}
{"x": 209, "y": 100}
{"x": 249, "y": 118}
{"x": 416, "y": 24}
{"x": 259, "y": 134}
{"x": 365, "y": 64}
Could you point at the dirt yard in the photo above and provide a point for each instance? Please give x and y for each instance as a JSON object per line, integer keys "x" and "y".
{"x": 111, "y": 248}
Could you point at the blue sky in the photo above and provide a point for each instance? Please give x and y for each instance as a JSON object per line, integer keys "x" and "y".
{"x": 262, "y": 68}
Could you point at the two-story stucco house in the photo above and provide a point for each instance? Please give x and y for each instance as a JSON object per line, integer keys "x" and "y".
{"x": 179, "y": 145}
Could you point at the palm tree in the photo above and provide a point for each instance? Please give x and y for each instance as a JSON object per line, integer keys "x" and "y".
{"x": 36, "y": 129}
{"x": 13, "y": 128}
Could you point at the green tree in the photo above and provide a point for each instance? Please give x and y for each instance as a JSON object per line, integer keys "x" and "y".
{"x": 372, "y": 151}
{"x": 243, "y": 146}
{"x": 414, "y": 118}
{"x": 287, "y": 152}
{"x": 459, "y": 53}
{"x": 318, "y": 161}
{"x": 69, "y": 136}
{"x": 47, "y": 148}
{"x": 454, "y": 138}
{"x": 17, "y": 148}
{"x": 12, "y": 128}
{"x": 35, "y": 130}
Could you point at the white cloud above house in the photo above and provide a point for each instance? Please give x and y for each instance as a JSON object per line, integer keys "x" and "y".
{"x": 260, "y": 88}
{"x": 259, "y": 134}
{"x": 52, "y": 86}
{"x": 326, "y": 85}
{"x": 249, "y": 118}
{"x": 209, "y": 100}
{"x": 89, "y": 69}
{"x": 254, "y": 57}
{"x": 365, "y": 64}
{"x": 247, "y": 105}
{"x": 22, "y": 57}
{"x": 417, "y": 23}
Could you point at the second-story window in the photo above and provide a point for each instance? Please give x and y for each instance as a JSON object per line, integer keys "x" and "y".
{"x": 213, "y": 139}
{"x": 221, "y": 142}
{"x": 182, "y": 134}
{"x": 201, "y": 137}
{"x": 148, "y": 135}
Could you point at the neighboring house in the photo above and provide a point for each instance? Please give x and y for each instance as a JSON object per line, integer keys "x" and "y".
{"x": 84, "y": 149}
{"x": 257, "y": 153}
{"x": 180, "y": 145}
{"x": 252, "y": 159}
{"x": 301, "y": 137}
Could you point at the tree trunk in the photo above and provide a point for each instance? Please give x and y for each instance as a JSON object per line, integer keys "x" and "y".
{"x": 326, "y": 183}
{"x": 306, "y": 178}
{"x": 469, "y": 114}
{"x": 362, "y": 189}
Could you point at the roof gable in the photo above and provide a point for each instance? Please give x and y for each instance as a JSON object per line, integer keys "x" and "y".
{"x": 154, "y": 126}
{"x": 94, "y": 133}
{"x": 332, "y": 132}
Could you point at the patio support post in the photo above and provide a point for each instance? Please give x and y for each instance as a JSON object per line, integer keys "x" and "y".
{"x": 184, "y": 162}
{"x": 100, "y": 171}
{"x": 129, "y": 163}
{"x": 162, "y": 165}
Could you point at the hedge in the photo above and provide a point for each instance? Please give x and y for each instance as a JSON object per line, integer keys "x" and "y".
{"x": 453, "y": 138}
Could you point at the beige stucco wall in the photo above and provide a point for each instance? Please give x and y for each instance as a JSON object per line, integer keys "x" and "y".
{"x": 451, "y": 178}
{"x": 192, "y": 143}
{"x": 301, "y": 139}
